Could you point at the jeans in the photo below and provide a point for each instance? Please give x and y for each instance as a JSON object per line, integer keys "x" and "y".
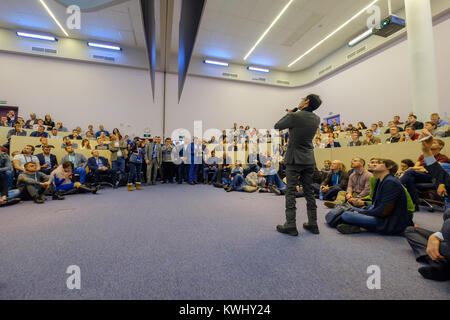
{"x": 238, "y": 182}
{"x": 13, "y": 193}
{"x": 182, "y": 172}
{"x": 193, "y": 169}
{"x": 119, "y": 165}
{"x": 135, "y": 172}
{"x": 360, "y": 219}
{"x": 206, "y": 171}
{"x": 409, "y": 180}
{"x": 9, "y": 175}
{"x": 82, "y": 173}
{"x": 275, "y": 180}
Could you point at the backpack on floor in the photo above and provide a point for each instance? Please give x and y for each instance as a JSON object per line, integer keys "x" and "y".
{"x": 333, "y": 218}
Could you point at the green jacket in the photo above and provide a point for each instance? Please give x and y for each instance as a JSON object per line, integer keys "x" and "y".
{"x": 368, "y": 199}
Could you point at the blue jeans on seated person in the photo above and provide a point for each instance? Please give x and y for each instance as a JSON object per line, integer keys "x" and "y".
{"x": 275, "y": 180}
{"x": 82, "y": 173}
{"x": 13, "y": 193}
{"x": 238, "y": 182}
{"x": 206, "y": 171}
{"x": 65, "y": 187}
{"x": 9, "y": 175}
{"x": 409, "y": 180}
{"x": 359, "y": 219}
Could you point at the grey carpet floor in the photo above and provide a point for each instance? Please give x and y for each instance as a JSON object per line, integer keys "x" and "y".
{"x": 196, "y": 242}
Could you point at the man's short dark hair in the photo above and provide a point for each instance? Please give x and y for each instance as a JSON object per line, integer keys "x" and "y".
{"x": 410, "y": 126}
{"x": 67, "y": 164}
{"x": 389, "y": 163}
{"x": 314, "y": 101}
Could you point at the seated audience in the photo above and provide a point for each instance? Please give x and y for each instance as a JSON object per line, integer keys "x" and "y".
{"x": 100, "y": 131}
{"x": 79, "y": 162}
{"x": 388, "y": 214}
{"x": 419, "y": 174}
{"x": 358, "y": 184}
{"x": 336, "y": 180}
{"x": 48, "y": 122}
{"x": 391, "y": 124}
{"x": 4, "y": 122}
{"x": 85, "y": 144}
{"x": 370, "y": 138}
{"x": 44, "y": 142}
{"x": 67, "y": 142}
{"x": 101, "y": 145}
{"x": 434, "y": 130}
{"x": 397, "y": 121}
{"x": 332, "y": 143}
{"x": 395, "y": 135}
{"x": 40, "y": 132}
{"x": 438, "y": 121}
{"x": 47, "y": 161}
{"x": 54, "y": 134}
{"x": 20, "y": 160}
{"x": 355, "y": 140}
{"x": 431, "y": 247}
{"x": 100, "y": 167}
{"x": 60, "y": 127}
{"x": 75, "y": 135}
{"x": 375, "y": 130}
{"x": 410, "y": 134}
{"x": 412, "y": 121}
{"x": 62, "y": 179}
{"x": 404, "y": 166}
{"x": 33, "y": 184}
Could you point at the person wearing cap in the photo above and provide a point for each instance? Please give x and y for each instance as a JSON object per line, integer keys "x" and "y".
{"x": 300, "y": 163}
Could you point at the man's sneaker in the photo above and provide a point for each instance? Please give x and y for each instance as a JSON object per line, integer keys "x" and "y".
{"x": 292, "y": 231}
{"x": 348, "y": 228}
{"x": 57, "y": 196}
{"x": 38, "y": 200}
{"x": 313, "y": 228}
{"x": 436, "y": 272}
{"x": 330, "y": 204}
{"x": 276, "y": 191}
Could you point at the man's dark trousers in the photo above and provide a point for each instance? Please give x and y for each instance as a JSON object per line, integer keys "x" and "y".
{"x": 305, "y": 173}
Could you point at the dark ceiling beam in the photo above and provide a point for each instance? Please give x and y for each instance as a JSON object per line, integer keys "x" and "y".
{"x": 148, "y": 19}
{"x": 191, "y": 14}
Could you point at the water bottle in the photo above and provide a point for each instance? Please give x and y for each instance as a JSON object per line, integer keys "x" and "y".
{"x": 320, "y": 195}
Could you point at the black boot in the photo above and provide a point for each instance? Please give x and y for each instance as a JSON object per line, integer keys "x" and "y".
{"x": 313, "y": 228}
{"x": 292, "y": 231}
{"x": 83, "y": 188}
{"x": 57, "y": 196}
{"x": 437, "y": 271}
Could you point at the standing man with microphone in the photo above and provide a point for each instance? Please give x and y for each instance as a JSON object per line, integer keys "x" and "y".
{"x": 300, "y": 163}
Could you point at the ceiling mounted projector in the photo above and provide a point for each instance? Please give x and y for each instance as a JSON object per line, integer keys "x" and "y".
{"x": 389, "y": 26}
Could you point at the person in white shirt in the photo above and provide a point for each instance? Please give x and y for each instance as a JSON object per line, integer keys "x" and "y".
{"x": 26, "y": 156}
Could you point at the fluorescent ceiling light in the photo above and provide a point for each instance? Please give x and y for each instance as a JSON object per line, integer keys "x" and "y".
{"x": 103, "y": 46}
{"x": 216, "y": 63}
{"x": 333, "y": 33}
{"x": 361, "y": 37}
{"x": 268, "y": 29}
{"x": 35, "y": 36}
{"x": 258, "y": 69}
{"x": 53, "y": 17}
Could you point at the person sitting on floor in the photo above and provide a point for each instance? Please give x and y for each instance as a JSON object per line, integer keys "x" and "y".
{"x": 26, "y": 156}
{"x": 358, "y": 184}
{"x": 33, "y": 184}
{"x": 389, "y": 213}
{"x": 62, "y": 178}
{"x": 9, "y": 196}
{"x": 336, "y": 180}
{"x": 273, "y": 181}
{"x": 433, "y": 248}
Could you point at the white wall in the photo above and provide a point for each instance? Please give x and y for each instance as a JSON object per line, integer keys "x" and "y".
{"x": 79, "y": 93}
{"x": 374, "y": 89}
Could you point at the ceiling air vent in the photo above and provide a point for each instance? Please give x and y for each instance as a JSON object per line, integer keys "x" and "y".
{"x": 105, "y": 58}
{"x": 231, "y": 75}
{"x": 259, "y": 79}
{"x": 44, "y": 50}
{"x": 325, "y": 70}
{"x": 356, "y": 53}
{"x": 283, "y": 82}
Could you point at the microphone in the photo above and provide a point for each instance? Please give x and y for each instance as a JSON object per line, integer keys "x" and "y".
{"x": 293, "y": 110}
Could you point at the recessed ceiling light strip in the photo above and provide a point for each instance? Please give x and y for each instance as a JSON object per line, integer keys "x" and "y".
{"x": 268, "y": 29}
{"x": 333, "y": 33}
{"x": 53, "y": 17}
